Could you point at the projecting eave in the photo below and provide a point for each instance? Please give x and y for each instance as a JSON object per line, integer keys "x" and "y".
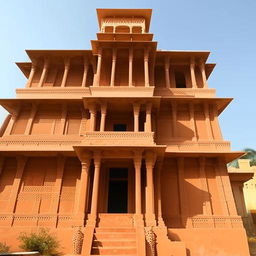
{"x": 184, "y": 55}
{"x": 25, "y": 67}
{"x": 35, "y": 54}
{"x": 221, "y": 103}
{"x": 144, "y": 13}
{"x": 96, "y": 44}
{"x": 242, "y": 176}
{"x": 228, "y": 156}
{"x": 13, "y": 105}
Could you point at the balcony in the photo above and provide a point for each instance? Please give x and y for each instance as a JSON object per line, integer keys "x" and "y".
{"x": 119, "y": 138}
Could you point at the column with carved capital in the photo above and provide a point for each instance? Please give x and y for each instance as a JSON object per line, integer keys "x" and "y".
{"x": 130, "y": 65}
{"x": 31, "y": 119}
{"x": 202, "y": 70}
{"x": 207, "y": 210}
{"x": 93, "y": 115}
{"x": 31, "y": 74}
{"x": 96, "y": 81}
{"x": 207, "y": 121}
{"x": 82, "y": 192}
{"x": 167, "y": 74}
{"x": 44, "y": 72}
{"x": 159, "y": 165}
{"x": 57, "y": 187}
{"x": 21, "y": 162}
{"x": 218, "y": 134}
{"x": 113, "y": 67}
{"x": 148, "y": 124}
{"x": 103, "y": 117}
{"x": 150, "y": 209}
{"x": 174, "y": 119}
{"x": 66, "y": 70}
{"x": 192, "y": 73}
{"x": 192, "y": 121}
{"x": 136, "y": 114}
{"x": 146, "y": 70}
{"x": 11, "y": 123}
{"x": 86, "y": 66}
{"x": 95, "y": 189}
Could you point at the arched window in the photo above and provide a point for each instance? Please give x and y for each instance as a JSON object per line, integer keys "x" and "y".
{"x": 122, "y": 29}
{"x": 180, "y": 80}
{"x": 109, "y": 29}
{"x": 136, "y": 30}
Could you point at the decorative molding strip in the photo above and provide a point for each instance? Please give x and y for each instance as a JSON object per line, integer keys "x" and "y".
{"x": 39, "y": 142}
{"x": 189, "y": 92}
{"x": 53, "y": 92}
{"x": 122, "y": 91}
{"x": 196, "y": 146}
{"x": 119, "y": 138}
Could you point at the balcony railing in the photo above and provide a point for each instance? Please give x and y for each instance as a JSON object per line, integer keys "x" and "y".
{"x": 119, "y": 138}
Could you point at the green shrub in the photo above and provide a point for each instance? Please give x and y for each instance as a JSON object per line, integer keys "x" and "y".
{"x": 4, "y": 248}
{"x": 41, "y": 241}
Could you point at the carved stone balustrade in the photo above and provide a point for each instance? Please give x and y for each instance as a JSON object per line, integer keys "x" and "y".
{"x": 119, "y": 138}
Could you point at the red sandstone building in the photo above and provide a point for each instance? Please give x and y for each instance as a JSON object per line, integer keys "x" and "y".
{"x": 122, "y": 142}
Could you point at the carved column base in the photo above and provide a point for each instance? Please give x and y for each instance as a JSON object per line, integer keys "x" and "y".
{"x": 138, "y": 220}
{"x": 160, "y": 222}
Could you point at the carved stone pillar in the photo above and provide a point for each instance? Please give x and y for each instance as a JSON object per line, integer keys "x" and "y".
{"x": 93, "y": 115}
{"x": 63, "y": 119}
{"x": 31, "y": 119}
{"x": 207, "y": 120}
{"x": 192, "y": 121}
{"x": 96, "y": 81}
{"x": 207, "y": 210}
{"x": 113, "y": 68}
{"x": 148, "y": 126}
{"x": 192, "y": 73}
{"x": 21, "y": 162}
{"x": 167, "y": 74}
{"x": 66, "y": 70}
{"x": 202, "y": 70}
{"x": 103, "y": 117}
{"x": 44, "y": 72}
{"x": 130, "y": 65}
{"x": 83, "y": 187}
{"x": 159, "y": 165}
{"x": 31, "y": 75}
{"x": 58, "y": 183}
{"x": 95, "y": 189}
{"x": 150, "y": 209}
{"x": 172, "y": 74}
{"x": 174, "y": 119}
{"x": 216, "y": 122}
{"x": 146, "y": 72}
{"x": 136, "y": 113}
{"x": 10, "y": 125}
{"x": 183, "y": 194}
{"x": 86, "y": 67}
{"x": 137, "y": 165}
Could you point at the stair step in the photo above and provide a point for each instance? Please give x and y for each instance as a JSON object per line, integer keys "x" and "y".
{"x": 113, "y": 235}
{"x": 113, "y": 251}
{"x": 114, "y": 243}
{"x": 129, "y": 230}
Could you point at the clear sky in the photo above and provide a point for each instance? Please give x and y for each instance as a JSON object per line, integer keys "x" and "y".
{"x": 225, "y": 27}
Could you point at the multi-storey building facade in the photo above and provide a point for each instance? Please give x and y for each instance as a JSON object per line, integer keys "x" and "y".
{"x": 119, "y": 145}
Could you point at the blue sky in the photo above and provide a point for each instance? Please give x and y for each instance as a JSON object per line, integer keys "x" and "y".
{"x": 226, "y": 28}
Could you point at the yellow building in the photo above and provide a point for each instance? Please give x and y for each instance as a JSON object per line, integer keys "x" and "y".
{"x": 243, "y": 182}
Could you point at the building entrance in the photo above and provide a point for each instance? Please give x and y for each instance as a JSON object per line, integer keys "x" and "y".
{"x": 118, "y": 190}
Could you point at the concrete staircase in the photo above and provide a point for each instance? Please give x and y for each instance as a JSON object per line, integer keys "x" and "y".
{"x": 114, "y": 241}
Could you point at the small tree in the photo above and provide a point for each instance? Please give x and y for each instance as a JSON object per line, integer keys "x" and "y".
{"x": 41, "y": 241}
{"x": 4, "y": 248}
